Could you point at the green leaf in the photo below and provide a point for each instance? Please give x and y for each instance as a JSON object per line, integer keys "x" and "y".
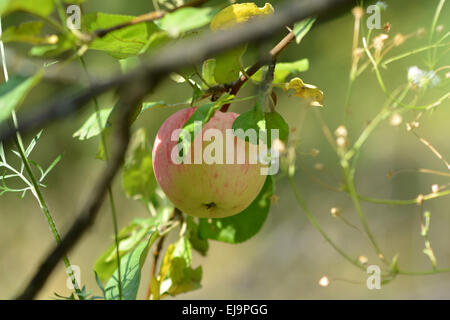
{"x": 28, "y": 32}
{"x": 198, "y": 244}
{"x": 138, "y": 179}
{"x": 130, "y": 267}
{"x": 91, "y": 127}
{"x": 185, "y": 19}
{"x": 203, "y": 114}
{"x": 14, "y": 92}
{"x": 63, "y": 45}
{"x": 283, "y": 70}
{"x": 176, "y": 274}
{"x": 252, "y": 119}
{"x": 228, "y": 65}
{"x": 121, "y": 43}
{"x": 129, "y": 64}
{"x": 38, "y": 7}
{"x": 130, "y": 237}
{"x": 275, "y": 121}
{"x": 161, "y": 104}
{"x": 302, "y": 28}
{"x": 243, "y": 226}
{"x": 208, "y": 70}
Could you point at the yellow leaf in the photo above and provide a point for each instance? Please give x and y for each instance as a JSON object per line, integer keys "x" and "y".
{"x": 238, "y": 13}
{"x": 304, "y": 90}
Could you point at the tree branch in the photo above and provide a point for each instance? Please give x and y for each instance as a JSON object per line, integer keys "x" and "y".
{"x": 237, "y": 85}
{"x": 147, "y": 17}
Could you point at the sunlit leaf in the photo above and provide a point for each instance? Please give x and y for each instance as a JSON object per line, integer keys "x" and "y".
{"x": 29, "y": 32}
{"x": 283, "y": 70}
{"x": 208, "y": 71}
{"x": 238, "y": 13}
{"x": 121, "y": 43}
{"x": 228, "y": 65}
{"x": 302, "y": 28}
{"x": 91, "y": 127}
{"x": 130, "y": 268}
{"x": 176, "y": 274}
{"x": 306, "y": 91}
{"x": 38, "y": 7}
{"x": 185, "y": 19}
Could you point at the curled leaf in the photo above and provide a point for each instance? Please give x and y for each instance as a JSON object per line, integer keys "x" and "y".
{"x": 304, "y": 90}
{"x": 238, "y": 13}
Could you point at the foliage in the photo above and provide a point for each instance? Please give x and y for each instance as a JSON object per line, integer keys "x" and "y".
{"x": 130, "y": 40}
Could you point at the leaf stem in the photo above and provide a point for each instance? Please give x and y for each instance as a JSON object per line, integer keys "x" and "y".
{"x": 316, "y": 225}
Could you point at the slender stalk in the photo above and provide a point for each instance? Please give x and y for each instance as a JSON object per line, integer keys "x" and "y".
{"x": 432, "y": 52}
{"x": 316, "y": 225}
{"x": 110, "y": 193}
{"x": 35, "y": 188}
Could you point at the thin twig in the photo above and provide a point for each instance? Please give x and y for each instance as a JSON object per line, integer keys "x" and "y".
{"x": 147, "y": 17}
{"x": 237, "y": 85}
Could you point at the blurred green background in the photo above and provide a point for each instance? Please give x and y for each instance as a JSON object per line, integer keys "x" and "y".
{"x": 288, "y": 257}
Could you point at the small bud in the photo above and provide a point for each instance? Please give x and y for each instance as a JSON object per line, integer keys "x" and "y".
{"x": 53, "y": 39}
{"x": 341, "y": 131}
{"x": 357, "y": 12}
{"x": 439, "y": 28}
{"x": 387, "y": 27}
{"x": 379, "y": 41}
{"x": 358, "y": 52}
{"x": 335, "y": 212}
{"x": 412, "y": 125}
{"x": 399, "y": 39}
{"x": 447, "y": 75}
{"x": 435, "y": 188}
{"x": 420, "y": 199}
{"x": 396, "y": 120}
{"x": 363, "y": 259}
{"x": 324, "y": 281}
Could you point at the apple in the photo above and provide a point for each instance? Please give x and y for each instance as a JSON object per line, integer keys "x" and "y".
{"x": 207, "y": 190}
